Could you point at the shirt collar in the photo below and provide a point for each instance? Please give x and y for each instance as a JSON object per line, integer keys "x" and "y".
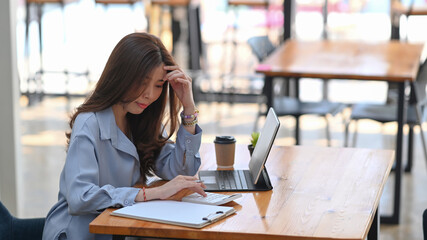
{"x": 109, "y": 130}
{"x": 106, "y": 122}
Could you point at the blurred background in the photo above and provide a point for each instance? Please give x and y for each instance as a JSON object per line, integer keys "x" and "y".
{"x": 61, "y": 50}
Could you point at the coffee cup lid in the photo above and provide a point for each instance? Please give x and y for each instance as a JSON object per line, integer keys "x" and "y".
{"x": 224, "y": 139}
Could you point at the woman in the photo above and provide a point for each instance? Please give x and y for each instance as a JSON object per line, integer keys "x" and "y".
{"x": 118, "y": 138}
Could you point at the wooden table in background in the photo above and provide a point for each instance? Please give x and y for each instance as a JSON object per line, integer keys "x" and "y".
{"x": 250, "y": 3}
{"x": 392, "y": 61}
{"x": 183, "y": 3}
{"x": 318, "y": 192}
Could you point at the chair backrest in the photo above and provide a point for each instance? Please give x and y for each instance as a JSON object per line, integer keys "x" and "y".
{"x": 261, "y": 46}
{"x": 19, "y": 229}
{"x": 418, "y": 97}
{"x": 425, "y": 224}
{"x": 5, "y": 223}
{"x": 420, "y": 84}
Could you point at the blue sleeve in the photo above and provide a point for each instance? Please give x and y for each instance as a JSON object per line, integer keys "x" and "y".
{"x": 81, "y": 181}
{"x": 171, "y": 162}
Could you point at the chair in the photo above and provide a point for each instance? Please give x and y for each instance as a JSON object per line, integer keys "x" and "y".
{"x": 199, "y": 65}
{"x": 425, "y": 224}
{"x": 261, "y": 47}
{"x": 398, "y": 9}
{"x": 19, "y": 229}
{"x": 388, "y": 112}
{"x": 36, "y": 78}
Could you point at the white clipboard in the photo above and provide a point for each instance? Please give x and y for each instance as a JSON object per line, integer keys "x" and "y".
{"x": 174, "y": 212}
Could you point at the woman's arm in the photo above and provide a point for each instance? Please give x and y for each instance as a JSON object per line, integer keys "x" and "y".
{"x": 182, "y": 85}
{"x": 181, "y": 157}
{"x": 190, "y": 123}
{"x": 80, "y": 181}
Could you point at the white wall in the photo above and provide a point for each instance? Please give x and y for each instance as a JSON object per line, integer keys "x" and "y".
{"x": 9, "y": 106}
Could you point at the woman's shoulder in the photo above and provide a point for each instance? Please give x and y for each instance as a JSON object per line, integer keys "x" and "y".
{"x": 85, "y": 118}
{"x": 84, "y": 123}
{"x": 93, "y": 123}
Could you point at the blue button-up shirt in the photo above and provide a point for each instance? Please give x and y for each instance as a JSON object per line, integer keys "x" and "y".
{"x": 101, "y": 167}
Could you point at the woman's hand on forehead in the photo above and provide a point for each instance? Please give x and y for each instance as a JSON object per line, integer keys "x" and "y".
{"x": 181, "y": 84}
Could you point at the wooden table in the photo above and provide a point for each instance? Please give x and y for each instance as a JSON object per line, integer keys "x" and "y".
{"x": 116, "y": 1}
{"x": 183, "y": 3}
{"x": 392, "y": 61}
{"x": 318, "y": 192}
{"x": 251, "y": 3}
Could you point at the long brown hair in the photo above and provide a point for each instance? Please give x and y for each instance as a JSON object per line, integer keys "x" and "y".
{"x": 130, "y": 64}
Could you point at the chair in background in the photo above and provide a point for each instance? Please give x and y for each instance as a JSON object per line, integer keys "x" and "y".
{"x": 19, "y": 229}
{"x": 204, "y": 82}
{"x": 388, "y": 113}
{"x": 397, "y": 10}
{"x": 232, "y": 85}
{"x": 262, "y": 47}
{"x": 36, "y": 78}
{"x": 425, "y": 224}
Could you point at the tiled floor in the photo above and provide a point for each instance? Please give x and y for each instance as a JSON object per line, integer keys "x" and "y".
{"x": 90, "y": 33}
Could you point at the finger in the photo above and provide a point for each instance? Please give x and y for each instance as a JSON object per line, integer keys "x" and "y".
{"x": 180, "y": 80}
{"x": 177, "y": 83}
{"x": 175, "y": 86}
{"x": 167, "y": 75}
{"x": 188, "y": 185}
{"x": 188, "y": 77}
{"x": 199, "y": 190}
{"x": 175, "y": 69}
{"x": 175, "y": 74}
{"x": 171, "y": 67}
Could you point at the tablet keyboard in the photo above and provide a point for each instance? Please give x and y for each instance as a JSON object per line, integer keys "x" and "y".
{"x": 232, "y": 180}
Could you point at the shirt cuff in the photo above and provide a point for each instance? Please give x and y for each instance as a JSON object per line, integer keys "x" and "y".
{"x": 127, "y": 196}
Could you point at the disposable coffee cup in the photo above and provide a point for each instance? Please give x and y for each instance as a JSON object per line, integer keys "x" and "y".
{"x": 225, "y": 147}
